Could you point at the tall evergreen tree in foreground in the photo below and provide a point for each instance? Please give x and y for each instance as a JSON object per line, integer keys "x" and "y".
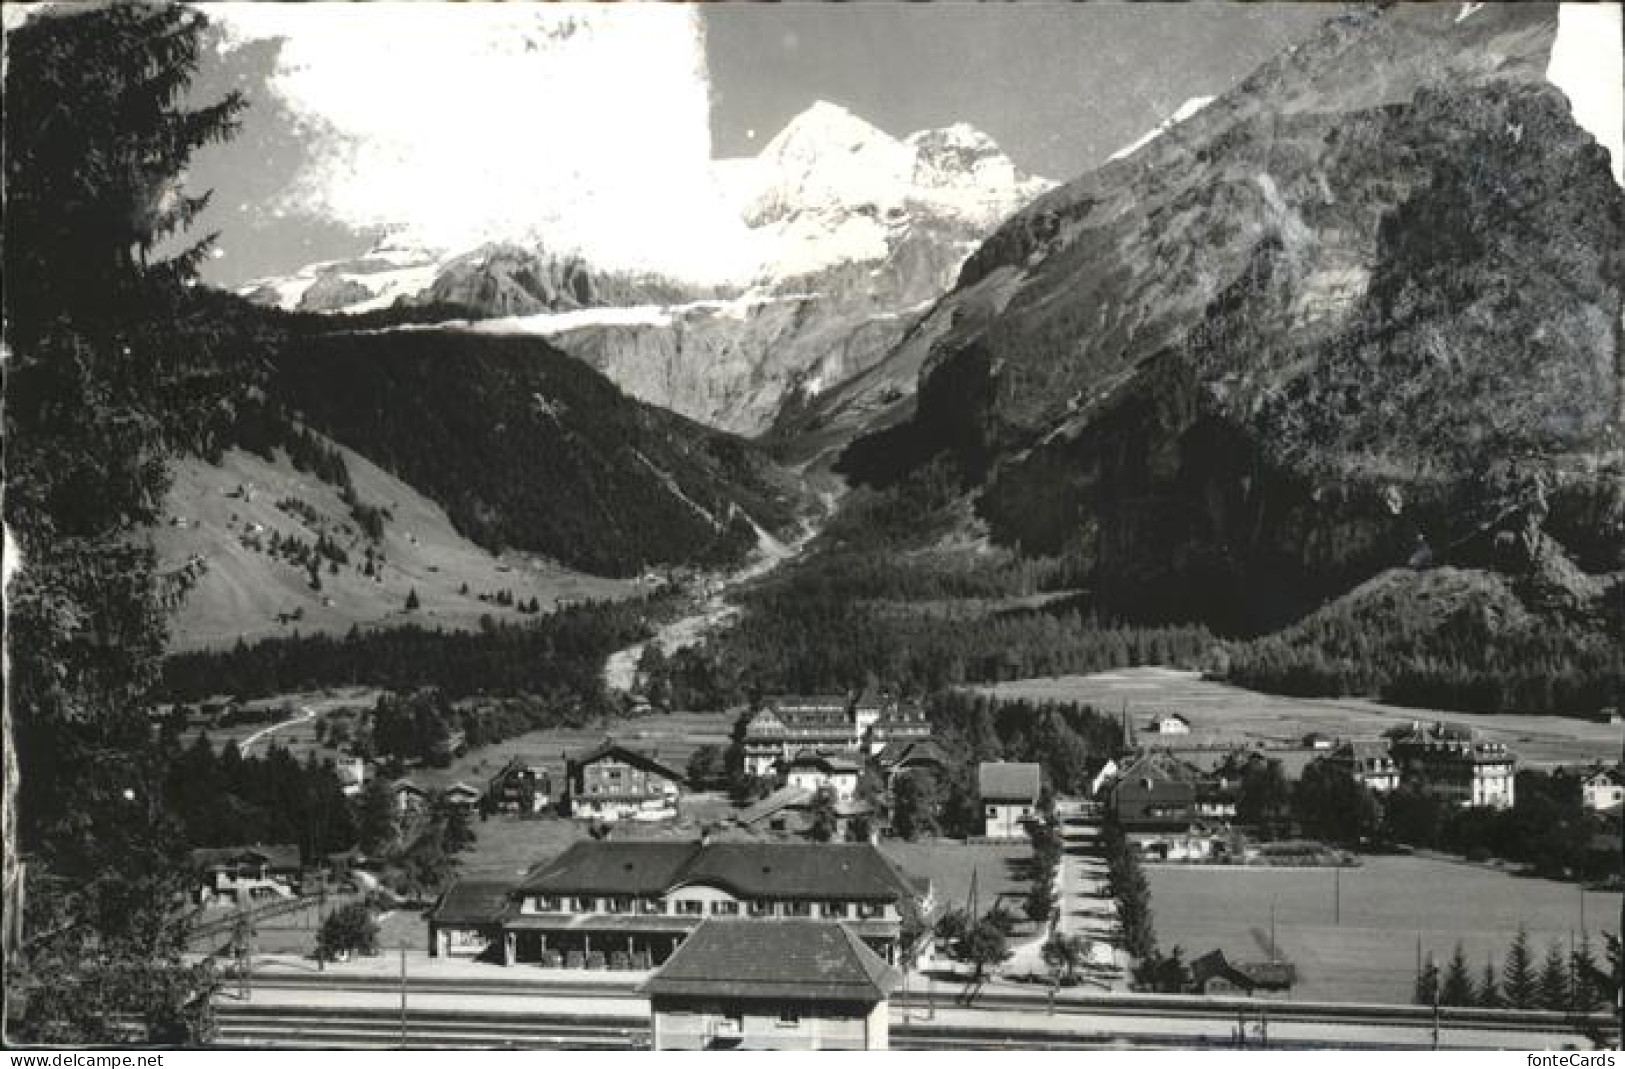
{"x": 113, "y": 366}
{"x": 1518, "y": 980}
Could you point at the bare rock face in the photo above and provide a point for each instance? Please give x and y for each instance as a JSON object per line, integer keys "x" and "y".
{"x": 861, "y": 232}
{"x": 1368, "y": 300}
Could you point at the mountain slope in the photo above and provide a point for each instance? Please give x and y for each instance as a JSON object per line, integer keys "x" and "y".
{"x": 1362, "y": 310}
{"x": 852, "y": 233}
{"x": 529, "y": 449}
{"x": 221, "y": 521}
{"x": 860, "y": 232}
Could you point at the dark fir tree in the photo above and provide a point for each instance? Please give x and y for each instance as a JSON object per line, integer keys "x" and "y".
{"x": 1457, "y": 989}
{"x": 1519, "y": 983}
{"x": 112, "y": 367}
{"x": 1552, "y": 989}
{"x": 1488, "y": 993}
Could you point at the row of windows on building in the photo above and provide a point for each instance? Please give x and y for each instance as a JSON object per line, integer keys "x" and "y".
{"x": 697, "y": 908}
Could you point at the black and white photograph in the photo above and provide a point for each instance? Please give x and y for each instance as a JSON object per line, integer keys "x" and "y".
{"x": 947, "y": 526}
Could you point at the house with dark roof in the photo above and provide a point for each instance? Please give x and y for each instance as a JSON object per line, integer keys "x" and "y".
{"x": 522, "y": 786}
{"x": 1155, "y": 792}
{"x": 247, "y": 872}
{"x": 409, "y": 797}
{"x": 816, "y": 771}
{"x": 1454, "y": 765}
{"x": 1009, "y": 792}
{"x": 786, "y": 985}
{"x": 787, "y": 725}
{"x": 903, "y": 756}
{"x": 601, "y": 903}
{"x": 899, "y": 722}
{"x": 467, "y": 921}
{"x": 790, "y": 811}
{"x": 1369, "y": 762}
{"x": 1214, "y": 974}
{"x": 615, "y": 782}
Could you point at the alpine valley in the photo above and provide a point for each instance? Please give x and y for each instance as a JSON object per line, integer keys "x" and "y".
{"x": 1330, "y": 364}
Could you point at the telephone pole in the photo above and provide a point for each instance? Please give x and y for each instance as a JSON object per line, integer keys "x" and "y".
{"x": 403, "y": 994}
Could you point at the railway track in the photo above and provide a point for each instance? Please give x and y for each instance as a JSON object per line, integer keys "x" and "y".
{"x": 1071, "y": 1028}
{"x": 1122, "y": 1005}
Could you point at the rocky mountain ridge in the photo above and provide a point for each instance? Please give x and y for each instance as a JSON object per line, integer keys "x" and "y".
{"x": 1362, "y": 310}
{"x": 856, "y": 233}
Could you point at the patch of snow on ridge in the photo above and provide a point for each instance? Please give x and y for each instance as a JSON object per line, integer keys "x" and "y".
{"x": 1186, "y": 110}
{"x": 1586, "y": 63}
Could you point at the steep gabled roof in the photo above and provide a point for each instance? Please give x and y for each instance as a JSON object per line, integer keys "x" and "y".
{"x": 1000, "y": 781}
{"x": 900, "y": 750}
{"x": 1159, "y": 767}
{"x": 804, "y": 960}
{"x": 474, "y": 902}
{"x": 284, "y": 856}
{"x": 611, "y": 748}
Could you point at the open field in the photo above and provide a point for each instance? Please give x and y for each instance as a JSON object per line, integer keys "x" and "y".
{"x": 217, "y": 512}
{"x": 1221, "y": 714}
{"x": 950, "y": 864}
{"x": 1388, "y": 903}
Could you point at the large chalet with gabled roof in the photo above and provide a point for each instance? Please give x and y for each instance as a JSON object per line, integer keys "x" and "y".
{"x": 615, "y": 782}
{"x": 1452, "y": 764}
{"x": 860, "y": 725}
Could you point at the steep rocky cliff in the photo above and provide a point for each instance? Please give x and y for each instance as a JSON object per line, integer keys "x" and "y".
{"x": 859, "y": 233}
{"x": 851, "y": 233}
{"x": 1363, "y": 310}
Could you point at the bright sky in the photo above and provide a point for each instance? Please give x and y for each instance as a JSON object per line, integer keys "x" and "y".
{"x": 593, "y": 125}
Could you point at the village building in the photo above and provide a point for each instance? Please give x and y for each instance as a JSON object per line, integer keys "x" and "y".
{"x": 1315, "y": 740}
{"x": 1214, "y": 974}
{"x": 790, "y": 985}
{"x": 818, "y": 771}
{"x": 352, "y": 775}
{"x": 1603, "y": 790}
{"x": 1453, "y": 765}
{"x": 522, "y": 786}
{"x": 409, "y": 797}
{"x": 862, "y": 725}
{"x": 1155, "y": 793}
{"x": 1169, "y": 724}
{"x": 606, "y": 904}
{"x": 786, "y": 726}
{"x": 791, "y": 811}
{"x": 244, "y": 873}
{"x": 467, "y": 921}
{"x": 462, "y": 796}
{"x": 1369, "y": 762}
{"x": 898, "y": 723}
{"x": 614, "y": 782}
{"x": 1009, "y": 792}
{"x": 899, "y": 757}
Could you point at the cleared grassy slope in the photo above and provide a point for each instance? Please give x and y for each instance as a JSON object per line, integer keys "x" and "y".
{"x": 211, "y": 508}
